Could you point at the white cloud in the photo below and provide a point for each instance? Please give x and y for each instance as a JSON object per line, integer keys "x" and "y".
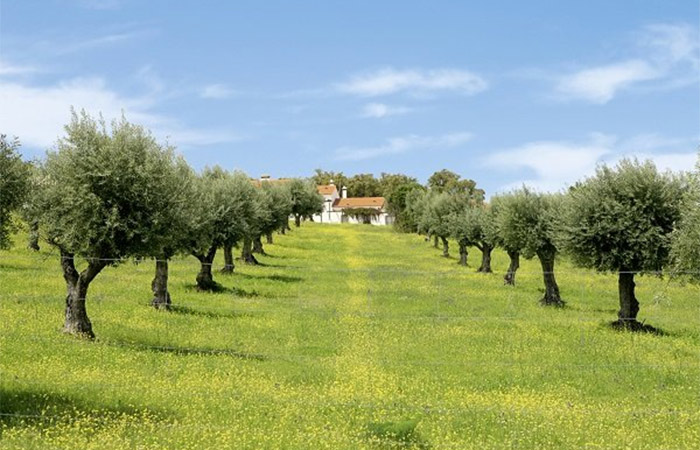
{"x": 669, "y": 57}
{"x": 380, "y": 110}
{"x": 555, "y": 165}
{"x": 37, "y": 114}
{"x": 216, "y": 91}
{"x": 600, "y": 84}
{"x": 7, "y": 69}
{"x": 390, "y": 81}
{"x": 403, "y": 144}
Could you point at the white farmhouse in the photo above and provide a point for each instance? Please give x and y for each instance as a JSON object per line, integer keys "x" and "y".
{"x": 341, "y": 209}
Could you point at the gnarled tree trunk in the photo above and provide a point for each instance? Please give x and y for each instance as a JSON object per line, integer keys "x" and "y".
{"x": 629, "y": 306}
{"x": 247, "y": 251}
{"x": 268, "y": 236}
{"x": 33, "y": 241}
{"x": 509, "y": 279}
{"x": 445, "y": 247}
{"x": 463, "y": 253}
{"x": 159, "y": 286}
{"x": 551, "y": 289}
{"x": 77, "y": 283}
{"x": 485, "y": 259}
{"x": 258, "y": 246}
{"x": 229, "y": 266}
{"x": 205, "y": 279}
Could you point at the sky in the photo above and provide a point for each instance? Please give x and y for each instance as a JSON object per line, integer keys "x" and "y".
{"x": 507, "y": 93}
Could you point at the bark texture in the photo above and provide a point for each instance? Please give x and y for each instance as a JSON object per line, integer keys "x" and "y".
{"x": 229, "y": 266}
{"x": 205, "y": 279}
{"x": 509, "y": 279}
{"x": 551, "y": 289}
{"x": 463, "y": 253}
{"x": 247, "y": 251}
{"x": 445, "y": 247}
{"x": 629, "y": 306}
{"x": 77, "y": 283}
{"x": 258, "y": 246}
{"x": 159, "y": 286}
{"x": 485, "y": 259}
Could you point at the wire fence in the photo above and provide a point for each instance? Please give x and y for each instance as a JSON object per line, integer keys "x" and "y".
{"x": 372, "y": 298}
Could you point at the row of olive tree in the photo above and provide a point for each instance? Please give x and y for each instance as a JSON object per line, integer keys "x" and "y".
{"x": 106, "y": 195}
{"x": 629, "y": 219}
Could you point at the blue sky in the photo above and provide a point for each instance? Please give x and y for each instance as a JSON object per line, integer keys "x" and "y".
{"x": 504, "y": 92}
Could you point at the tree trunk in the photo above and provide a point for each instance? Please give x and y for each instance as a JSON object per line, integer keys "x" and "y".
{"x": 629, "y": 306}
{"x": 269, "y": 238}
{"x": 247, "y": 251}
{"x": 228, "y": 259}
{"x": 77, "y": 321}
{"x": 159, "y": 286}
{"x": 33, "y": 242}
{"x": 463, "y": 253}
{"x": 445, "y": 247}
{"x": 258, "y": 246}
{"x": 284, "y": 229}
{"x": 551, "y": 289}
{"x": 297, "y": 220}
{"x": 509, "y": 279}
{"x": 205, "y": 279}
{"x": 435, "y": 241}
{"x": 485, "y": 259}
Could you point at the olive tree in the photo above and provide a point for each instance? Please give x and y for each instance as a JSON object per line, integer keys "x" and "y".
{"x": 621, "y": 220}
{"x": 172, "y": 227}
{"x": 306, "y": 201}
{"x": 103, "y": 197}
{"x": 276, "y": 207}
{"x": 474, "y": 226}
{"x": 14, "y": 179}
{"x": 224, "y": 212}
{"x": 686, "y": 238}
{"x": 435, "y": 218}
{"x": 512, "y": 246}
{"x": 529, "y": 221}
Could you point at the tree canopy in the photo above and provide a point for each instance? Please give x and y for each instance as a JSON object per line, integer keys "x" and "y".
{"x": 14, "y": 179}
{"x": 686, "y": 238}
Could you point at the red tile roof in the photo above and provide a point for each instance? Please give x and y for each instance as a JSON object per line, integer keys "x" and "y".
{"x": 360, "y": 202}
{"x": 327, "y": 189}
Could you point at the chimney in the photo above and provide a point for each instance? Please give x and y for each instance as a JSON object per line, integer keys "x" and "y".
{"x": 345, "y": 192}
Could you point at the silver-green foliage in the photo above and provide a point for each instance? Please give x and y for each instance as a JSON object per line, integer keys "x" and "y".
{"x": 113, "y": 194}
{"x": 14, "y": 176}
{"x": 621, "y": 219}
{"x": 686, "y": 238}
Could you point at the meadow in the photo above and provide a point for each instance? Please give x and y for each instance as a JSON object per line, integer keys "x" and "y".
{"x": 346, "y": 336}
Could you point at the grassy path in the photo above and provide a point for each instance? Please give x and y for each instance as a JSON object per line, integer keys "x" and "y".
{"x": 344, "y": 327}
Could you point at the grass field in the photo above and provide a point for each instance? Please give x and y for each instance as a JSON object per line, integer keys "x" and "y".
{"x": 347, "y": 337}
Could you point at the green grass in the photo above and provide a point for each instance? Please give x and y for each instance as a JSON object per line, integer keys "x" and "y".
{"x": 347, "y": 337}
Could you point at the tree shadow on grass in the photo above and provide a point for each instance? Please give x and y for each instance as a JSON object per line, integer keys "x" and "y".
{"x": 221, "y": 289}
{"x": 24, "y": 407}
{"x": 276, "y": 277}
{"x": 636, "y": 327}
{"x": 189, "y": 311}
{"x": 185, "y": 351}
